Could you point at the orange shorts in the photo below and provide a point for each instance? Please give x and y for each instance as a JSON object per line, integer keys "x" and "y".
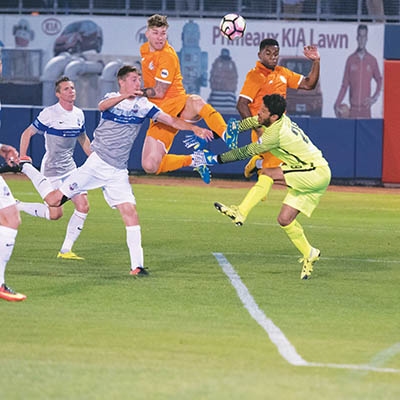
{"x": 162, "y": 132}
{"x": 269, "y": 160}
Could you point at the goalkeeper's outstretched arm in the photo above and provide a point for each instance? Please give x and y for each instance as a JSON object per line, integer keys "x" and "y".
{"x": 248, "y": 151}
{"x": 242, "y": 153}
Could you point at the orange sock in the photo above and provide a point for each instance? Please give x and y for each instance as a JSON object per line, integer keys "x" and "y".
{"x": 171, "y": 162}
{"x": 213, "y": 119}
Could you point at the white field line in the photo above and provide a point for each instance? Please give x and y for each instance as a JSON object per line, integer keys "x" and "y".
{"x": 347, "y": 259}
{"x": 278, "y": 338}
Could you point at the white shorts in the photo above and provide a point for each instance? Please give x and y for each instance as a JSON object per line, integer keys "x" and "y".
{"x": 57, "y": 181}
{"x": 6, "y": 197}
{"x": 94, "y": 174}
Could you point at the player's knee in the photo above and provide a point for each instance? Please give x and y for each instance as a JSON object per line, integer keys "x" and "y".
{"x": 84, "y": 208}
{"x": 55, "y": 213}
{"x": 196, "y": 102}
{"x": 81, "y": 203}
{"x": 195, "y": 98}
{"x": 150, "y": 166}
{"x": 283, "y": 220}
{"x": 274, "y": 173}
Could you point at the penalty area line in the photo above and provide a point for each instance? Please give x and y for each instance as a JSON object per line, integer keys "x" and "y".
{"x": 277, "y": 337}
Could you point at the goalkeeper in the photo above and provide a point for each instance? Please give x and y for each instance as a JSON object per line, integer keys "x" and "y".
{"x": 304, "y": 170}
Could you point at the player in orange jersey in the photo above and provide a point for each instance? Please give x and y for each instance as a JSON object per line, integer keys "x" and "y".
{"x": 163, "y": 86}
{"x": 269, "y": 78}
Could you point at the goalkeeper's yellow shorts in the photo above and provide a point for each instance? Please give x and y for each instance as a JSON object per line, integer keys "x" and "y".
{"x": 305, "y": 188}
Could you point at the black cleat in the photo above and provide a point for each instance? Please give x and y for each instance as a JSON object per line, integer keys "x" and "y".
{"x": 6, "y": 168}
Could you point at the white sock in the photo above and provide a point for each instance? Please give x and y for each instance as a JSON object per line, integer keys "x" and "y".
{"x": 74, "y": 228}
{"x": 42, "y": 185}
{"x": 7, "y": 241}
{"x": 35, "y": 209}
{"x": 134, "y": 242}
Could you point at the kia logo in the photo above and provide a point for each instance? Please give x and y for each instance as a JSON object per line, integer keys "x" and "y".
{"x": 51, "y": 26}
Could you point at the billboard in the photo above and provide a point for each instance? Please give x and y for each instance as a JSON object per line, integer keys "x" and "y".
{"x": 205, "y": 55}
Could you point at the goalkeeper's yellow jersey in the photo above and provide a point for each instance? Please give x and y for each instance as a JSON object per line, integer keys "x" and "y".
{"x": 285, "y": 140}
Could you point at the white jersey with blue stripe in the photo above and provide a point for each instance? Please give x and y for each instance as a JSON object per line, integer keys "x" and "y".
{"x": 119, "y": 127}
{"x": 61, "y": 129}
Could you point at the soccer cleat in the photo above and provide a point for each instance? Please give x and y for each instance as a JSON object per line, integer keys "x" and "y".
{"x": 231, "y": 134}
{"x": 8, "y": 294}
{"x": 232, "y": 212}
{"x": 251, "y": 167}
{"x": 69, "y": 255}
{"x": 138, "y": 271}
{"x": 308, "y": 263}
{"x": 204, "y": 172}
{"x": 6, "y": 168}
{"x": 15, "y": 167}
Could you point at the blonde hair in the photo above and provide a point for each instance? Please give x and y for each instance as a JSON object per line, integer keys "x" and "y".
{"x": 157, "y": 21}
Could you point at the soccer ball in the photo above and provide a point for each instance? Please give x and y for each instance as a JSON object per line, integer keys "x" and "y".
{"x": 232, "y": 26}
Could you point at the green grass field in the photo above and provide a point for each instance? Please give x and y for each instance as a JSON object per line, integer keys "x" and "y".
{"x": 88, "y": 330}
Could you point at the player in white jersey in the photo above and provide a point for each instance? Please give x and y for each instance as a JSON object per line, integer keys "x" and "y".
{"x": 62, "y": 124}
{"x": 304, "y": 169}
{"x": 123, "y": 113}
{"x": 9, "y": 223}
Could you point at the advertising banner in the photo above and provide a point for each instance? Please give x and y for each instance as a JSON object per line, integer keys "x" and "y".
{"x": 213, "y": 66}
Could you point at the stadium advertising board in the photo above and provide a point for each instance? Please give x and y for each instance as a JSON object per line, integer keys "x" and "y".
{"x": 212, "y": 65}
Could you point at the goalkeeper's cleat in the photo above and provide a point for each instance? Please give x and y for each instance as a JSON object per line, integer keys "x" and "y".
{"x": 231, "y": 134}
{"x": 251, "y": 167}
{"x": 204, "y": 172}
{"x": 138, "y": 271}
{"x": 8, "y": 294}
{"x": 308, "y": 263}
{"x": 232, "y": 212}
{"x": 69, "y": 255}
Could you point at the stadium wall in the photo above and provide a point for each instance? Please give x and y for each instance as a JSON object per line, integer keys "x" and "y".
{"x": 391, "y": 142}
{"x": 353, "y": 147}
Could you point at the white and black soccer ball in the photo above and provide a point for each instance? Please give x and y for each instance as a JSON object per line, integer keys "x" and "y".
{"x": 232, "y": 26}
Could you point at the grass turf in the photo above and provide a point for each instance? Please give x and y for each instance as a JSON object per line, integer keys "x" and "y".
{"x": 88, "y": 330}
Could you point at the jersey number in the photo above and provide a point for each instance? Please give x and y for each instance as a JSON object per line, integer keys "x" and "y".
{"x": 298, "y": 132}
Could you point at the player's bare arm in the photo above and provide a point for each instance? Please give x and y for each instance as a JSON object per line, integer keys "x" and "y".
{"x": 26, "y": 139}
{"x": 85, "y": 143}
{"x": 242, "y": 106}
{"x": 158, "y": 91}
{"x": 113, "y": 101}
{"x": 310, "y": 81}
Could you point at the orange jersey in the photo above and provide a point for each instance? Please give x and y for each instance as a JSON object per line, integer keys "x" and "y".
{"x": 163, "y": 66}
{"x": 261, "y": 81}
